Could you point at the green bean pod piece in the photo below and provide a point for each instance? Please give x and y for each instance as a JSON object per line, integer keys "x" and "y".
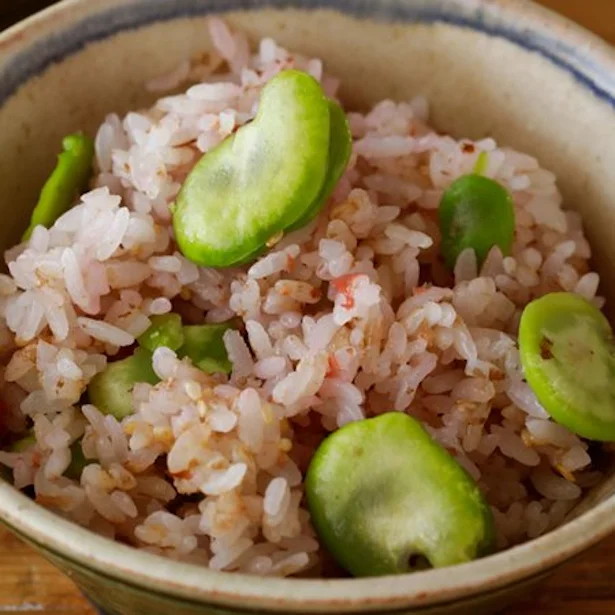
{"x": 68, "y": 179}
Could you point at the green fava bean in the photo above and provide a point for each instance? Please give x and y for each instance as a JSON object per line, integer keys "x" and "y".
{"x": 68, "y": 179}
{"x": 204, "y": 345}
{"x": 385, "y": 499}
{"x": 475, "y": 212}
{"x": 166, "y": 330}
{"x": 340, "y": 149}
{"x": 568, "y": 357}
{"x": 111, "y": 390}
{"x": 259, "y": 181}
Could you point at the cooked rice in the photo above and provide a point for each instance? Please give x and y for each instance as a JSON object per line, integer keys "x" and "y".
{"x": 350, "y": 317}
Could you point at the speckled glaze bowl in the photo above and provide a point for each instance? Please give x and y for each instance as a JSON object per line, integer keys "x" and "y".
{"x": 504, "y": 68}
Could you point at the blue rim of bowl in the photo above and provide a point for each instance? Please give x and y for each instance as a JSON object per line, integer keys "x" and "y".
{"x": 582, "y": 55}
{"x": 470, "y": 14}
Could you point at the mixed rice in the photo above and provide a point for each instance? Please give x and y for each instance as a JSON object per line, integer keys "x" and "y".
{"x": 349, "y": 317}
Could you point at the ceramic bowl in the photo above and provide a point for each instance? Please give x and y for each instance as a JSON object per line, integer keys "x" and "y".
{"x": 503, "y": 68}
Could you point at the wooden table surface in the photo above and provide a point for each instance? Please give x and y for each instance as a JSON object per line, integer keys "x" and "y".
{"x": 28, "y": 584}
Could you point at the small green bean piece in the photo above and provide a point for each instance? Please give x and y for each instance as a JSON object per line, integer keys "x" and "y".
{"x": 340, "y": 149}
{"x": 68, "y": 179}
{"x": 385, "y": 499}
{"x": 204, "y": 345}
{"x": 111, "y": 390}
{"x": 475, "y": 212}
{"x": 165, "y": 330}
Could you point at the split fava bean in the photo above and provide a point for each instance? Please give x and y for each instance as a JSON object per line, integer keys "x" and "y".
{"x": 475, "y": 212}
{"x": 385, "y": 498}
{"x": 269, "y": 177}
{"x": 66, "y": 182}
{"x": 568, "y": 357}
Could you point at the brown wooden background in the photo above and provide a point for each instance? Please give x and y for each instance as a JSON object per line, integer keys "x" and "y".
{"x": 28, "y": 584}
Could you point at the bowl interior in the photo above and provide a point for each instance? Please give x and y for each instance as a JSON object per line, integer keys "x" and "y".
{"x": 479, "y": 84}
